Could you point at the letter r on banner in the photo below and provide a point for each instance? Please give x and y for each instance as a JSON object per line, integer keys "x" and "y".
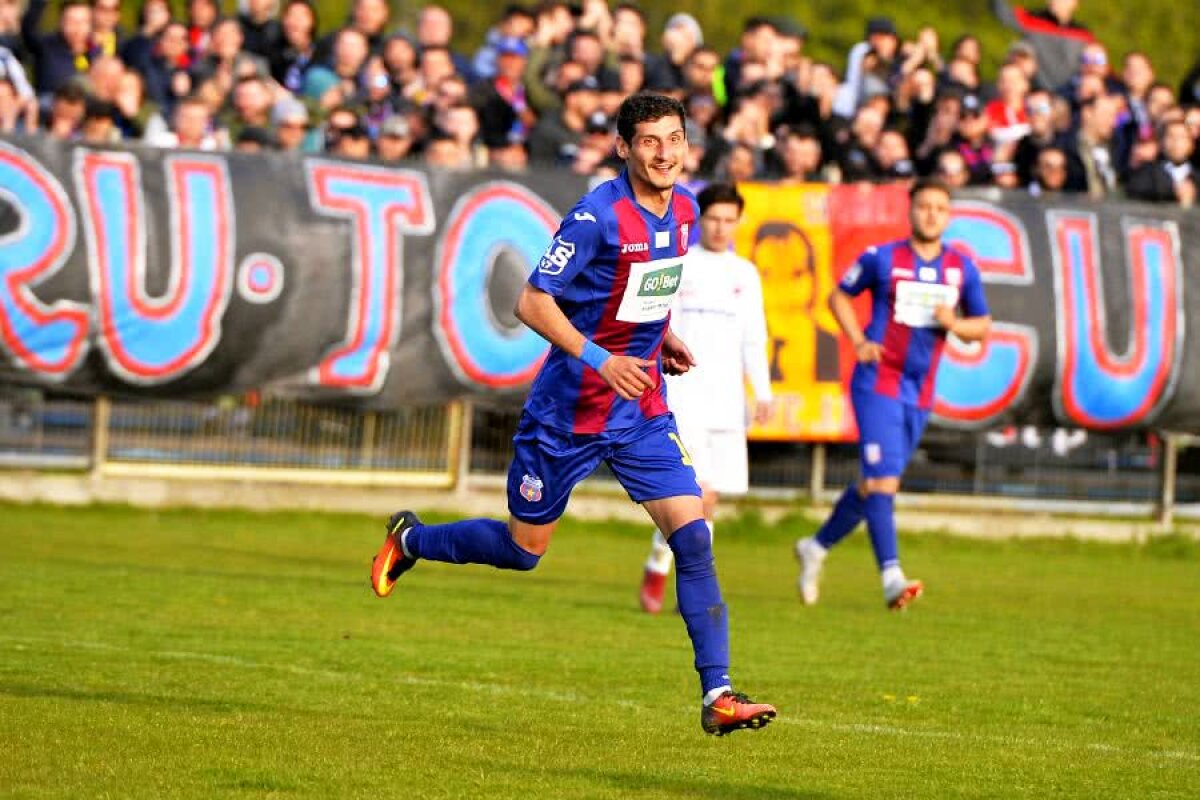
{"x": 47, "y": 339}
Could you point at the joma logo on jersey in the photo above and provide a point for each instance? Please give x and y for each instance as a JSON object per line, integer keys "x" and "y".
{"x": 660, "y": 282}
{"x": 635, "y": 247}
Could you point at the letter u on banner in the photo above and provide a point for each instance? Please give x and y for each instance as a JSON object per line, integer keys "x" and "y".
{"x": 1095, "y": 387}
{"x": 145, "y": 339}
{"x": 382, "y": 205}
{"x": 47, "y": 339}
{"x": 976, "y": 385}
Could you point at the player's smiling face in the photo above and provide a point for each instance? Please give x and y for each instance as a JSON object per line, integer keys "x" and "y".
{"x": 929, "y": 215}
{"x": 655, "y": 156}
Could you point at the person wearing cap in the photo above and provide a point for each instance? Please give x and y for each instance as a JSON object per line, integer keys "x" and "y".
{"x": 290, "y": 123}
{"x": 1055, "y": 36}
{"x": 516, "y": 22}
{"x": 501, "y": 103}
{"x": 971, "y": 141}
{"x": 869, "y": 66}
{"x": 395, "y": 140}
{"x": 1039, "y": 110}
{"x": 681, "y": 35}
{"x": 556, "y": 137}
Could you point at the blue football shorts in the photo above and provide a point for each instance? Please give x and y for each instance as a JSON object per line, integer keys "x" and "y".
{"x": 888, "y": 433}
{"x": 648, "y": 459}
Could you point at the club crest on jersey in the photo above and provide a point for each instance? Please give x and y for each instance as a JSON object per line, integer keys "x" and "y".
{"x": 531, "y": 488}
{"x": 683, "y": 235}
{"x": 954, "y": 276}
{"x": 556, "y": 257}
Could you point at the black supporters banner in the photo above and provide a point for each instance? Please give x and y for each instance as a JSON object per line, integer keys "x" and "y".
{"x": 173, "y": 274}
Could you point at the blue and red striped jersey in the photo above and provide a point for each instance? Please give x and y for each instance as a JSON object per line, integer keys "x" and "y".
{"x": 904, "y": 292}
{"x": 613, "y": 268}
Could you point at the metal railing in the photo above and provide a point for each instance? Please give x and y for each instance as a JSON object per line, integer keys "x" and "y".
{"x": 248, "y": 438}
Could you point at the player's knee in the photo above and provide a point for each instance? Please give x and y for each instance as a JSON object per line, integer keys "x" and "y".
{"x": 879, "y": 486}
{"x": 692, "y": 546}
{"x": 522, "y": 560}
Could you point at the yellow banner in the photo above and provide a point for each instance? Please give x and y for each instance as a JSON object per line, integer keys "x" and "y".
{"x": 785, "y": 232}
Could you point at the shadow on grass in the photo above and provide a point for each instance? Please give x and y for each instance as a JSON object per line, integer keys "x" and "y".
{"x": 698, "y": 787}
{"x": 31, "y": 691}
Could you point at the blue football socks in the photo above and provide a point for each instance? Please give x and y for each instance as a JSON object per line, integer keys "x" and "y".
{"x": 700, "y": 603}
{"x": 847, "y": 513}
{"x": 471, "y": 541}
{"x": 881, "y": 524}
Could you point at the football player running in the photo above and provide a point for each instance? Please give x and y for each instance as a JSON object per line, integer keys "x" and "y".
{"x": 601, "y": 295}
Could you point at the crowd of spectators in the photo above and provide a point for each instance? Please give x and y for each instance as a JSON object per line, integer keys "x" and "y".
{"x": 544, "y": 87}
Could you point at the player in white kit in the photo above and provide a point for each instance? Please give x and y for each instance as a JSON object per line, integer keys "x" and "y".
{"x": 718, "y": 311}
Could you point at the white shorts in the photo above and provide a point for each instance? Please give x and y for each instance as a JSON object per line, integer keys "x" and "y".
{"x": 719, "y": 458}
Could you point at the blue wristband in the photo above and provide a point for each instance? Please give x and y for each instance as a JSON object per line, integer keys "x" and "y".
{"x": 593, "y": 354}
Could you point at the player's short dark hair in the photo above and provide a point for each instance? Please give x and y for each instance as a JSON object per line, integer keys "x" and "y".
{"x": 929, "y": 183}
{"x": 716, "y": 193}
{"x": 646, "y": 107}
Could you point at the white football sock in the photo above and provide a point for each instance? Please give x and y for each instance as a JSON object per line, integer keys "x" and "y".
{"x": 892, "y": 575}
{"x": 661, "y": 558}
{"x": 712, "y": 694}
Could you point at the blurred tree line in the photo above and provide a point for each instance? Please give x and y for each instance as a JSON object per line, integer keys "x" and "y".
{"x": 1168, "y": 31}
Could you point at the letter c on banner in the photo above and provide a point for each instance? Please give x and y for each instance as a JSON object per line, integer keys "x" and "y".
{"x": 977, "y": 385}
{"x": 1095, "y": 387}
{"x": 47, "y": 339}
{"x": 488, "y": 219}
{"x": 145, "y": 339}
{"x": 382, "y": 204}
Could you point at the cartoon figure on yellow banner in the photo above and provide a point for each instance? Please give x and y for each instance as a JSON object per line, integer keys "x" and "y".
{"x": 786, "y": 235}
{"x": 803, "y": 340}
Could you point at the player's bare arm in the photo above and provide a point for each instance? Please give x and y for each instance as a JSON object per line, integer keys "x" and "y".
{"x": 625, "y": 374}
{"x": 969, "y": 329}
{"x": 865, "y": 350}
{"x": 676, "y": 357}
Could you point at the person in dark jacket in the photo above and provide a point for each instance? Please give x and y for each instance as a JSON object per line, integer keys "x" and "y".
{"x": 260, "y": 29}
{"x": 60, "y": 56}
{"x": 1170, "y": 179}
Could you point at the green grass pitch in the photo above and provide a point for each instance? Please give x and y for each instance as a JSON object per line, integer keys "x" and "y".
{"x": 191, "y": 654}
